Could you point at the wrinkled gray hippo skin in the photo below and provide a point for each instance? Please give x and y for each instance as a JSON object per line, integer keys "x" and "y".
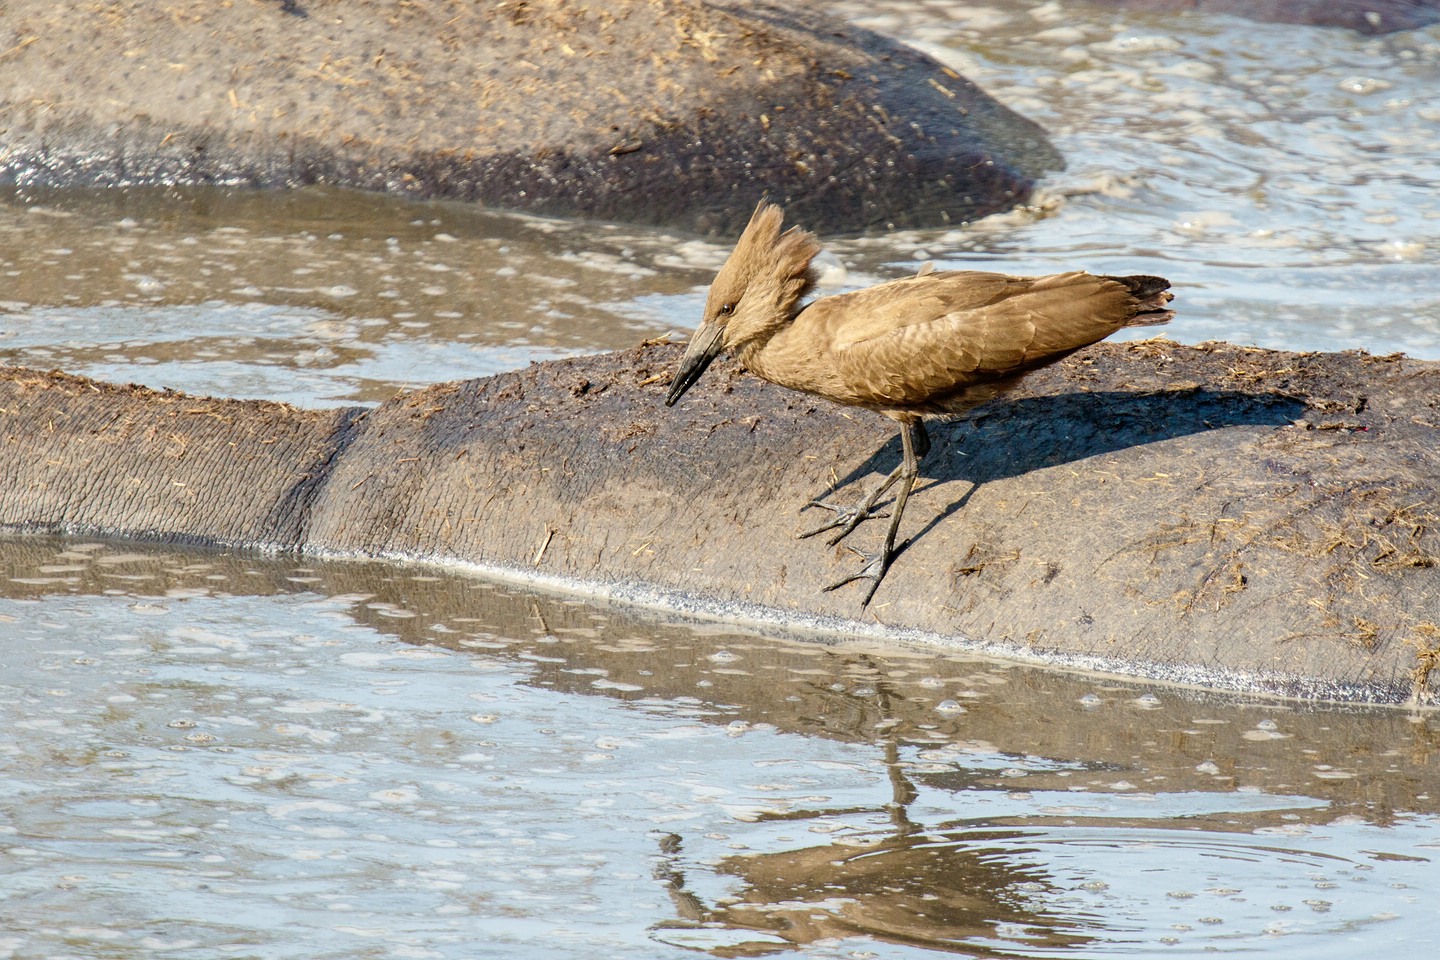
{"x": 668, "y": 112}
{"x": 1227, "y": 517}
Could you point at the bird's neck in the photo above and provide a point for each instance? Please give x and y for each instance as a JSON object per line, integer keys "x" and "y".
{"x": 750, "y": 350}
{"x": 768, "y": 356}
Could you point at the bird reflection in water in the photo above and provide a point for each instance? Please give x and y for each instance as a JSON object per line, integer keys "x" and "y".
{"x": 963, "y": 891}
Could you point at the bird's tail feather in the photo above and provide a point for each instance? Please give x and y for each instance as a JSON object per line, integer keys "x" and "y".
{"x": 1153, "y": 293}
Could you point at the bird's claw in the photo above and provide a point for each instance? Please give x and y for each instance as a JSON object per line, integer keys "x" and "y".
{"x": 846, "y": 519}
{"x": 876, "y": 566}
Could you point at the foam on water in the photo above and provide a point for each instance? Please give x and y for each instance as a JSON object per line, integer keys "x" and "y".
{"x": 227, "y": 755}
{"x": 218, "y": 756}
{"x": 1282, "y": 177}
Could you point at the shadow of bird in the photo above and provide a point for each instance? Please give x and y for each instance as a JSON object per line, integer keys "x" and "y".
{"x": 935, "y": 344}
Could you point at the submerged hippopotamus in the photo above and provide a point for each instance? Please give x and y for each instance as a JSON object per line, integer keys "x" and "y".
{"x": 1222, "y": 516}
{"x": 681, "y": 113}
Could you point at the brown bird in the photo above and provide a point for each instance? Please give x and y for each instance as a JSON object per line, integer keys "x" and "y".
{"x": 937, "y": 343}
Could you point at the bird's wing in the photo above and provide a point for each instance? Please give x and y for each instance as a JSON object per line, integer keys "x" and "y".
{"x": 914, "y": 340}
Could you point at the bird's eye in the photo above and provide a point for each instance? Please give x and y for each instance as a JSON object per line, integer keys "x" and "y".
{"x": 726, "y": 309}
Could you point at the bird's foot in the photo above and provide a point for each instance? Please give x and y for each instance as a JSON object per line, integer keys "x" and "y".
{"x": 876, "y": 566}
{"x": 846, "y": 519}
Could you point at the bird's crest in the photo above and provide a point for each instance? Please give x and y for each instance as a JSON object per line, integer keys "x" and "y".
{"x": 761, "y": 284}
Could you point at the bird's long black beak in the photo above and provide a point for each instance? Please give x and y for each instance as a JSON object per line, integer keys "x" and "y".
{"x": 704, "y": 346}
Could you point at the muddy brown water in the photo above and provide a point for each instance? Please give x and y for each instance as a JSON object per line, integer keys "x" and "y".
{"x": 222, "y": 756}
{"x": 219, "y": 755}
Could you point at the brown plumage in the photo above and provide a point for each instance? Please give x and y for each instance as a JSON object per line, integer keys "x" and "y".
{"x": 933, "y": 344}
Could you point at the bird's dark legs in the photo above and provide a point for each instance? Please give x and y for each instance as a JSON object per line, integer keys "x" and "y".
{"x": 915, "y": 443}
{"x": 846, "y": 519}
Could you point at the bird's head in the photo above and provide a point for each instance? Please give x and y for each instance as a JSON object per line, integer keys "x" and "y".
{"x": 757, "y": 291}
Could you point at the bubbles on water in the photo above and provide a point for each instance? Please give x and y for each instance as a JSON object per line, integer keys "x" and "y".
{"x": 1401, "y": 249}
{"x": 160, "y": 306}
{"x": 1257, "y": 152}
{"x": 1265, "y": 730}
{"x": 1364, "y": 86}
{"x": 1205, "y": 222}
{"x": 1327, "y": 772}
{"x": 400, "y": 794}
{"x": 352, "y": 796}
{"x": 1126, "y": 43}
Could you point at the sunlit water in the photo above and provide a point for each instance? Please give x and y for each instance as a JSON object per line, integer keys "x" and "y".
{"x": 1284, "y": 178}
{"x": 232, "y": 757}
{"x": 217, "y": 756}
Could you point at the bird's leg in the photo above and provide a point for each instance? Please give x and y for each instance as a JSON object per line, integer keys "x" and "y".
{"x": 916, "y": 443}
{"x": 846, "y": 519}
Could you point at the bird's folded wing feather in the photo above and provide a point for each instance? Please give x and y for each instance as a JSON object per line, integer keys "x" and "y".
{"x": 915, "y": 339}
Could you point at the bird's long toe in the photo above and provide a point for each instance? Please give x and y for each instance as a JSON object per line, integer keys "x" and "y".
{"x": 874, "y": 570}
{"x": 846, "y": 519}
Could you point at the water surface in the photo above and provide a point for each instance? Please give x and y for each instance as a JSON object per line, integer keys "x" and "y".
{"x": 1282, "y": 177}
{"x": 221, "y": 756}
{"x": 229, "y": 756}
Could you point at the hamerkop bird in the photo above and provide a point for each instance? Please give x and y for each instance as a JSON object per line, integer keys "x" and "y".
{"x": 933, "y": 344}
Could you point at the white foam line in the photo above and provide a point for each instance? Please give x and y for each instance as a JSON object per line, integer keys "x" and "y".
{"x": 830, "y": 629}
